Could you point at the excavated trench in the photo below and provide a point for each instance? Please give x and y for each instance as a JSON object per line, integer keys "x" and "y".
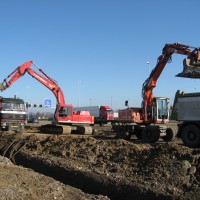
{"x": 87, "y": 181}
{"x": 114, "y": 168}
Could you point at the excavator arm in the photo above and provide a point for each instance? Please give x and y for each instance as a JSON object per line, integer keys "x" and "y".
{"x": 44, "y": 79}
{"x": 192, "y": 62}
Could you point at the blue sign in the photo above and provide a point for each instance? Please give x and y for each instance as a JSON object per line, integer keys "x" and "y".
{"x": 47, "y": 103}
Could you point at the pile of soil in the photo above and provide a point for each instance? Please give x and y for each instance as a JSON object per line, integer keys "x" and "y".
{"x": 105, "y": 167}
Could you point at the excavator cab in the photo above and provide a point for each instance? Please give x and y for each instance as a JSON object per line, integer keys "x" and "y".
{"x": 160, "y": 110}
{"x": 65, "y": 111}
{"x": 191, "y": 69}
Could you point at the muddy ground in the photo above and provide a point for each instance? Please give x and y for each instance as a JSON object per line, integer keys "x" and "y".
{"x": 19, "y": 183}
{"x": 96, "y": 167}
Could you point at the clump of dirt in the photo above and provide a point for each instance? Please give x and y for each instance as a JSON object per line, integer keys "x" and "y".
{"x": 138, "y": 170}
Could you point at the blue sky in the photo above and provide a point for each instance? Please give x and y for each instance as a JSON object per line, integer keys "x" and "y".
{"x": 97, "y": 50}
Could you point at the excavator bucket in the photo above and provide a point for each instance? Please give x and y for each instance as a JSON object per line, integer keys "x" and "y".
{"x": 2, "y": 87}
{"x": 190, "y": 69}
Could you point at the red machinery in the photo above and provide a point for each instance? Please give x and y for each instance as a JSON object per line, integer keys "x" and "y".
{"x": 155, "y": 110}
{"x": 102, "y": 114}
{"x": 64, "y": 113}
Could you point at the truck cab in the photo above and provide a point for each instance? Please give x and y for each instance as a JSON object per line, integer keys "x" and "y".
{"x": 12, "y": 114}
{"x": 106, "y": 113}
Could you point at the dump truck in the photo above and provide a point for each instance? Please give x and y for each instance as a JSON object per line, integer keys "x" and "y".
{"x": 187, "y": 113}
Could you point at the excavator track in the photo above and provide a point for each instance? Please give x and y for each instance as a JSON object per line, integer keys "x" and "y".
{"x": 65, "y": 129}
{"x": 51, "y": 129}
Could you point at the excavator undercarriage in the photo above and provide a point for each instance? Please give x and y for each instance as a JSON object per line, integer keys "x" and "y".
{"x": 66, "y": 129}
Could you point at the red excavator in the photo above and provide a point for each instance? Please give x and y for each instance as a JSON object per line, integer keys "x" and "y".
{"x": 147, "y": 122}
{"x": 76, "y": 121}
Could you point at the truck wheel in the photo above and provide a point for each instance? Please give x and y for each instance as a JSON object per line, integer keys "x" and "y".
{"x": 150, "y": 134}
{"x": 190, "y": 136}
{"x": 170, "y": 135}
{"x": 123, "y": 134}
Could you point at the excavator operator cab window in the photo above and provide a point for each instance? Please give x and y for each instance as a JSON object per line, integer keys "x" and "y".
{"x": 65, "y": 111}
{"x": 162, "y": 109}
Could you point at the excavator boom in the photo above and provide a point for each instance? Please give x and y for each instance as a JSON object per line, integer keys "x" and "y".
{"x": 44, "y": 79}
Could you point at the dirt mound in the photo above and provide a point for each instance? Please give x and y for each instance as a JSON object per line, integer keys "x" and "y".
{"x": 141, "y": 171}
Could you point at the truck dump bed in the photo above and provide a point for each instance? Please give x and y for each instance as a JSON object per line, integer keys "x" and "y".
{"x": 187, "y": 106}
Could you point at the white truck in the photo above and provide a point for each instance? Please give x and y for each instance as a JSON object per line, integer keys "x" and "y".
{"x": 186, "y": 111}
{"x": 13, "y": 114}
{"x": 102, "y": 114}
